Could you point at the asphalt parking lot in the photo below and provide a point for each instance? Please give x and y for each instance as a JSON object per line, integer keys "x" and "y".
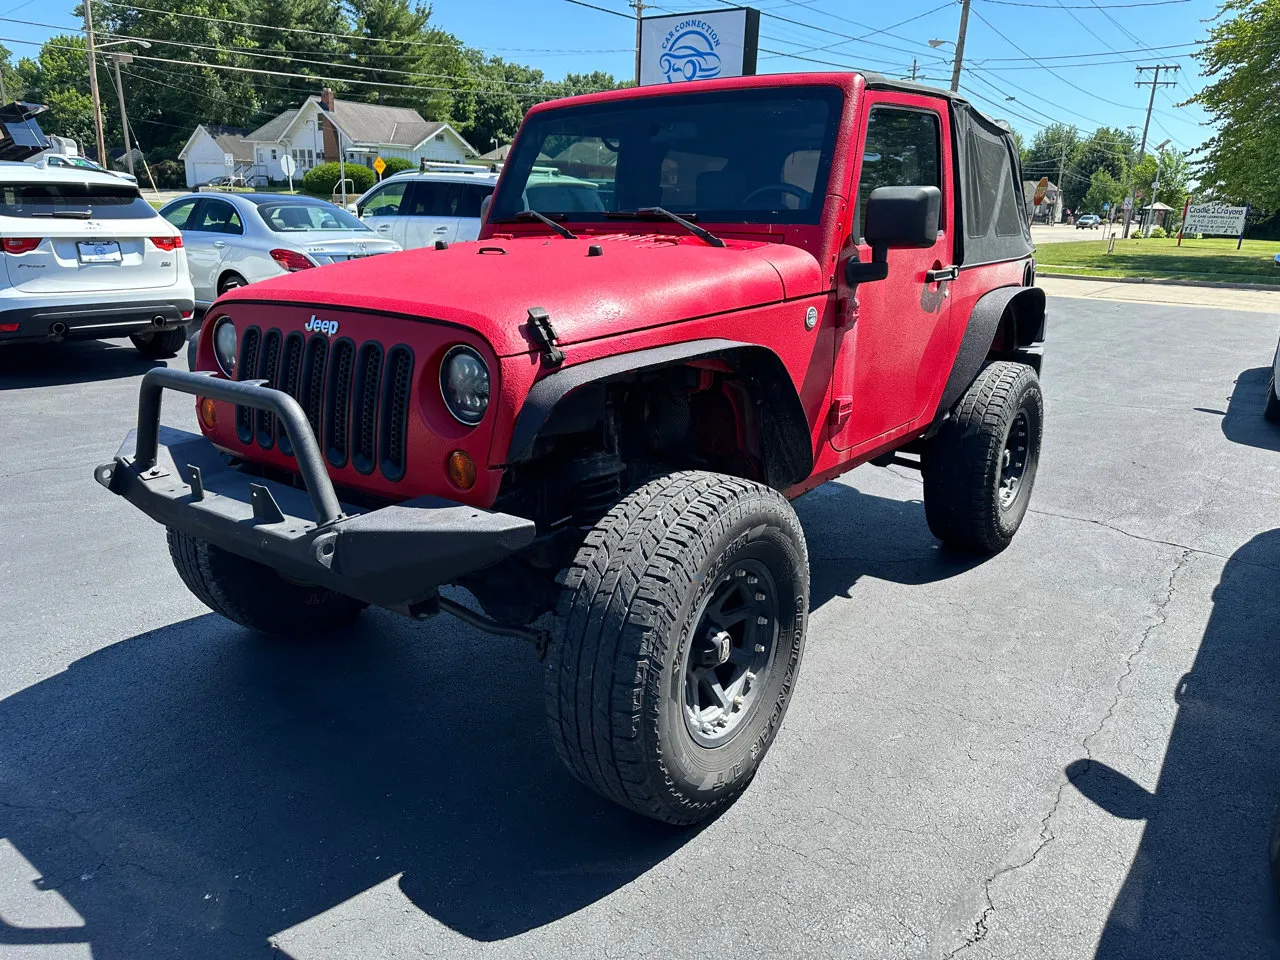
{"x": 1069, "y": 750}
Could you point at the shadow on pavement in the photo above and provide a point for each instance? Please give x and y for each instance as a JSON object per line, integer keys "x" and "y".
{"x": 1199, "y": 884}
{"x": 193, "y": 790}
{"x": 26, "y": 365}
{"x": 1243, "y": 422}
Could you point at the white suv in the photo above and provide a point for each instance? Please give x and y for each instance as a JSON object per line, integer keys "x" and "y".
{"x": 415, "y": 209}
{"x": 85, "y": 257}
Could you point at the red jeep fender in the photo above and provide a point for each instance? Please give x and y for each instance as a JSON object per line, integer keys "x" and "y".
{"x": 785, "y": 433}
{"x": 1005, "y": 320}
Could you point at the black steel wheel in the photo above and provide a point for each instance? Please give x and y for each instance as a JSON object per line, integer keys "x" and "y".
{"x": 682, "y": 630}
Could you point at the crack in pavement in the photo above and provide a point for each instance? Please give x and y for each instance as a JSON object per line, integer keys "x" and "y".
{"x": 981, "y": 926}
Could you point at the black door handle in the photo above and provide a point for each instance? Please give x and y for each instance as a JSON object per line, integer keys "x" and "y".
{"x": 937, "y": 276}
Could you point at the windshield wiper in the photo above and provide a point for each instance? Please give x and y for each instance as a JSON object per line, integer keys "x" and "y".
{"x": 67, "y": 214}
{"x": 650, "y": 213}
{"x": 535, "y": 215}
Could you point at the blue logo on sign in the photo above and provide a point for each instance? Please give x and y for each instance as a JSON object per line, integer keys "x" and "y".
{"x": 689, "y": 52}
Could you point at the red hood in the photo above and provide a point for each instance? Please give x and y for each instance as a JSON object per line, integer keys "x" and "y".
{"x": 489, "y": 286}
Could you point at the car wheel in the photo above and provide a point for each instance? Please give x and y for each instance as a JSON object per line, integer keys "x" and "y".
{"x": 159, "y": 344}
{"x": 230, "y": 282}
{"x": 1271, "y": 410}
{"x": 682, "y": 630}
{"x": 253, "y": 595}
{"x": 979, "y": 468}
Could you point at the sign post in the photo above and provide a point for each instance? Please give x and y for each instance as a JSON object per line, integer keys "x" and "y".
{"x": 379, "y": 165}
{"x": 1183, "y": 225}
{"x": 288, "y": 165}
{"x": 1240, "y": 241}
{"x": 699, "y": 46}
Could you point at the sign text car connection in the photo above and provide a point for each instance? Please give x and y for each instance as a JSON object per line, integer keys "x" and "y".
{"x": 699, "y": 46}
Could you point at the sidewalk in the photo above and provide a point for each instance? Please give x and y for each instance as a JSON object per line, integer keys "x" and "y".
{"x": 1214, "y": 298}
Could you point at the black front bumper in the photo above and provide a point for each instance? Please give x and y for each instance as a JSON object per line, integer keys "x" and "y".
{"x": 392, "y": 557}
{"x": 93, "y": 321}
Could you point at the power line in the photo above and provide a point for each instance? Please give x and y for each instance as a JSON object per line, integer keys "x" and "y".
{"x": 1093, "y": 6}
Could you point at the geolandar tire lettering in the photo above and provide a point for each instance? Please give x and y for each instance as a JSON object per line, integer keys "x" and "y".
{"x": 683, "y": 625}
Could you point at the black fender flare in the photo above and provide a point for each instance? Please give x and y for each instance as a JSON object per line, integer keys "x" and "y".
{"x": 785, "y": 430}
{"x": 1028, "y": 304}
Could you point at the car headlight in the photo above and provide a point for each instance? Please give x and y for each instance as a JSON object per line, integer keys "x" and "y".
{"x": 464, "y": 384}
{"x": 224, "y": 345}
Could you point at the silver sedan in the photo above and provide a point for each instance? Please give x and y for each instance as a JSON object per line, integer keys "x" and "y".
{"x": 236, "y": 238}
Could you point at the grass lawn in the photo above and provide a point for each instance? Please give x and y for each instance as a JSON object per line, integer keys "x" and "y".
{"x": 1209, "y": 259}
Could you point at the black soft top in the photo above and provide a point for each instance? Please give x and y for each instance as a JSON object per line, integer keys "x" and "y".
{"x": 990, "y": 205}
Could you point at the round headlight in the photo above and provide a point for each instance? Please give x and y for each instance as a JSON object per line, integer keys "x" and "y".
{"x": 464, "y": 384}
{"x": 224, "y": 345}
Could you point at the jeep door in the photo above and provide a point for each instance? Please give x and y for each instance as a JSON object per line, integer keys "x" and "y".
{"x": 893, "y": 343}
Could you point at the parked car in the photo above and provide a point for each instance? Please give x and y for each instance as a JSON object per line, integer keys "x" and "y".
{"x": 54, "y": 161}
{"x": 1271, "y": 407}
{"x": 85, "y": 257}
{"x": 604, "y": 412}
{"x": 237, "y": 238}
{"x": 1089, "y": 220}
{"x": 228, "y": 181}
{"x": 416, "y": 209}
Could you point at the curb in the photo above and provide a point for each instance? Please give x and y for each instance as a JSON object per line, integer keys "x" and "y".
{"x": 1219, "y": 284}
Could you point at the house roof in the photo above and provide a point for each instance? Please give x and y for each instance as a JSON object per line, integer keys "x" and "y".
{"x": 272, "y": 130}
{"x": 1158, "y": 206}
{"x": 499, "y": 154}
{"x": 232, "y": 140}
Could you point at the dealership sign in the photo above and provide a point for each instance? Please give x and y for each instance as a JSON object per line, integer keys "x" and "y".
{"x": 699, "y": 46}
{"x": 1215, "y": 219}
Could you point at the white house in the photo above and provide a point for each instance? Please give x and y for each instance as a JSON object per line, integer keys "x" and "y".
{"x": 314, "y": 132}
{"x": 206, "y": 151}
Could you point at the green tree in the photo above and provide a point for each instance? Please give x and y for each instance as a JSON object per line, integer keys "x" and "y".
{"x": 1242, "y": 160}
{"x": 1103, "y": 188}
{"x": 57, "y": 77}
{"x": 1049, "y": 145}
{"x": 1107, "y": 148}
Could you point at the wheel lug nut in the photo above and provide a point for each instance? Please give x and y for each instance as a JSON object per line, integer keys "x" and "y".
{"x": 737, "y": 703}
{"x": 759, "y": 597}
{"x": 739, "y": 573}
{"x": 753, "y": 580}
{"x": 759, "y": 648}
{"x": 763, "y": 621}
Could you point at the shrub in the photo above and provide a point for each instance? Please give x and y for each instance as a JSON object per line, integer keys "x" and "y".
{"x": 168, "y": 175}
{"x": 1157, "y": 233}
{"x": 397, "y": 164}
{"x": 323, "y": 178}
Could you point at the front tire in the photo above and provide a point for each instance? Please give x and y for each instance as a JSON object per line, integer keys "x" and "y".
{"x": 1271, "y": 410}
{"x": 160, "y": 344}
{"x": 683, "y": 624}
{"x": 255, "y": 596}
{"x": 979, "y": 468}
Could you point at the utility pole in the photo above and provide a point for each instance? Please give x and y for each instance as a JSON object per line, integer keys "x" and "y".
{"x": 124, "y": 117}
{"x": 1062, "y": 168}
{"x": 1154, "y": 82}
{"x": 964, "y": 28}
{"x": 913, "y": 68}
{"x": 93, "y": 81}
{"x": 638, "y": 5}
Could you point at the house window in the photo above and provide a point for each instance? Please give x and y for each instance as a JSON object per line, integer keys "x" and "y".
{"x": 273, "y": 154}
{"x": 440, "y": 137}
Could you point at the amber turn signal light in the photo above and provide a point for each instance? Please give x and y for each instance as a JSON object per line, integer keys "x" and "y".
{"x": 462, "y": 470}
{"x": 208, "y": 413}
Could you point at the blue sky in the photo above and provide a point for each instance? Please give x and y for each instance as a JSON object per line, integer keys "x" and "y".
{"x": 559, "y": 37}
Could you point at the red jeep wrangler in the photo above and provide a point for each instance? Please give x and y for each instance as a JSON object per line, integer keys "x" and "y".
{"x": 730, "y": 292}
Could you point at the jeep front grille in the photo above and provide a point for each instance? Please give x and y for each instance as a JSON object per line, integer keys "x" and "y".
{"x": 356, "y": 398}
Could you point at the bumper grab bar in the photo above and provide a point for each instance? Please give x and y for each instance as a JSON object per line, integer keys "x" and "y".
{"x": 247, "y": 393}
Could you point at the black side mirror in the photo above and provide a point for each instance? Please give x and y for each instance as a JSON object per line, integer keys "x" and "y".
{"x": 896, "y": 217}
{"x": 485, "y": 204}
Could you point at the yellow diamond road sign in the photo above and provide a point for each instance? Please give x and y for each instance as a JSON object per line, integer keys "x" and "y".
{"x": 379, "y": 165}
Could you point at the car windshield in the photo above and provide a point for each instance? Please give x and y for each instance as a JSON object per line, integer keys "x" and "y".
{"x": 296, "y": 217}
{"x": 746, "y": 156}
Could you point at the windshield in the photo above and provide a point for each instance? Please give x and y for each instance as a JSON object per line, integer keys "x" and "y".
{"x": 745, "y": 156}
{"x": 294, "y": 217}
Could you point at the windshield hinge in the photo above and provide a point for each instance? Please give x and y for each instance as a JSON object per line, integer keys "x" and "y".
{"x": 544, "y": 334}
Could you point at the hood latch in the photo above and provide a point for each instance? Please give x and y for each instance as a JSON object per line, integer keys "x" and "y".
{"x": 544, "y": 334}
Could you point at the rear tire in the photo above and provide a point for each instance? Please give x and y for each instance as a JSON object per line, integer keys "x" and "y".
{"x": 979, "y": 468}
{"x": 230, "y": 282}
{"x": 160, "y": 345}
{"x": 683, "y": 622}
{"x": 1271, "y": 410}
{"x": 253, "y": 595}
